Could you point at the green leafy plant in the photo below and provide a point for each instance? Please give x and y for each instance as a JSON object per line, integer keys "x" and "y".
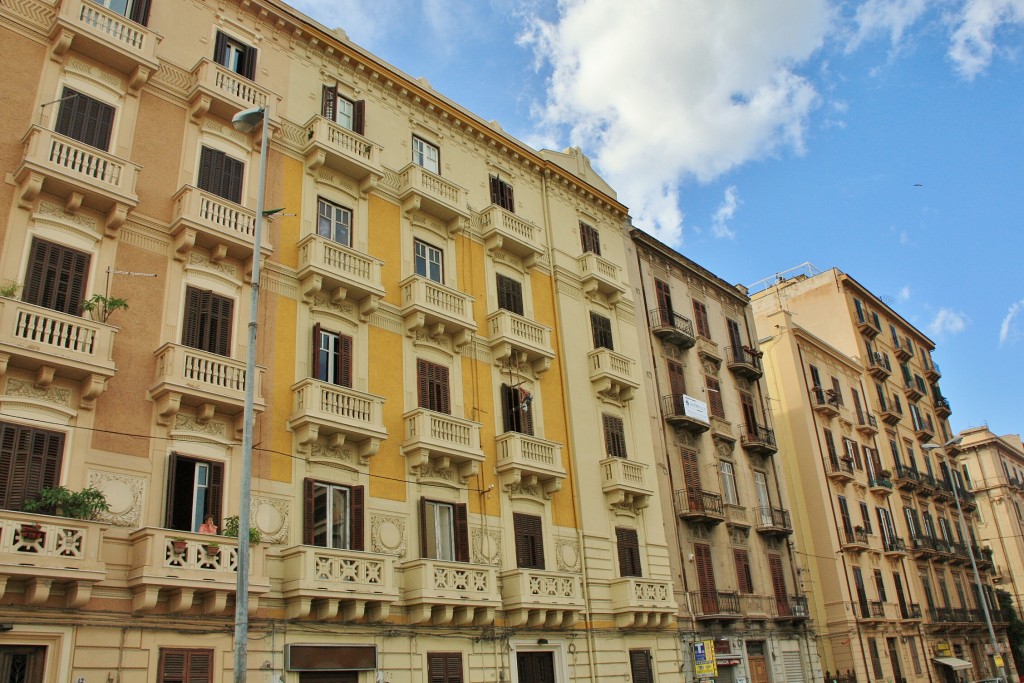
{"x": 101, "y": 307}
{"x": 231, "y": 529}
{"x": 63, "y": 502}
{"x": 10, "y": 290}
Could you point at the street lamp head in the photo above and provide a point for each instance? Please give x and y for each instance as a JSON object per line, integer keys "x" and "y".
{"x": 952, "y": 442}
{"x": 247, "y": 121}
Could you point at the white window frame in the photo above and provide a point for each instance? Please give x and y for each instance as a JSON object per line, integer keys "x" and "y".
{"x": 428, "y": 261}
{"x": 329, "y": 216}
{"x": 730, "y": 494}
{"x": 344, "y": 112}
{"x": 440, "y": 544}
{"x": 426, "y": 154}
{"x": 342, "y": 540}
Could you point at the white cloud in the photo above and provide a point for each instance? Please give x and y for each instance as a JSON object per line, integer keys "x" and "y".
{"x": 974, "y": 39}
{"x": 662, "y": 91}
{"x": 720, "y": 220}
{"x": 893, "y": 17}
{"x": 947, "y": 321}
{"x": 364, "y": 23}
{"x": 1010, "y": 330}
{"x": 904, "y": 294}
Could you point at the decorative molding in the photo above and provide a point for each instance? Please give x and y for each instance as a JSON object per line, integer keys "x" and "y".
{"x": 27, "y": 389}
{"x": 388, "y": 534}
{"x": 223, "y": 268}
{"x": 144, "y": 237}
{"x": 567, "y": 555}
{"x": 173, "y": 79}
{"x": 37, "y": 14}
{"x": 271, "y": 516}
{"x": 184, "y": 422}
{"x": 124, "y": 494}
{"x": 486, "y": 546}
{"x": 739, "y": 537}
{"x": 388, "y": 318}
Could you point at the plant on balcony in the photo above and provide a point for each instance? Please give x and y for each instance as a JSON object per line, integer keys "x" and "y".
{"x": 178, "y": 544}
{"x": 100, "y": 307}
{"x": 212, "y": 549}
{"x": 31, "y": 532}
{"x": 885, "y": 474}
{"x": 63, "y": 502}
{"x": 10, "y": 290}
{"x": 231, "y": 529}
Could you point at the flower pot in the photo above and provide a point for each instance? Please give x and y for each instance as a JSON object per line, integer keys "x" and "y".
{"x": 31, "y": 532}
{"x": 212, "y": 550}
{"x": 179, "y": 546}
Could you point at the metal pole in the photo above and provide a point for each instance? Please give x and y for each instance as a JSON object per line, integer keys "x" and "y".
{"x": 245, "y": 493}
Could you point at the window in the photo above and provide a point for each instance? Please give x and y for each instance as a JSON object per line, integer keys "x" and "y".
{"x": 714, "y": 392}
{"x": 629, "y": 552}
{"x": 705, "y": 578}
{"x": 815, "y": 377}
{"x": 444, "y": 667}
{"x": 444, "y": 531}
{"x": 85, "y": 119}
{"x": 837, "y": 391}
{"x": 700, "y": 318}
{"x": 235, "y": 55}
{"x": 735, "y": 338}
{"x": 778, "y": 583}
{"x": 876, "y": 661}
{"x": 510, "y": 294}
{"x": 744, "y": 578}
{"x": 179, "y": 665}
{"x": 136, "y": 10}
{"x": 334, "y": 222}
{"x": 501, "y": 194}
{"x": 590, "y": 239}
{"x": 535, "y": 666}
{"x": 865, "y": 517}
{"x": 432, "y": 380}
{"x": 830, "y": 445}
{"x": 614, "y": 436}
{"x": 333, "y": 515}
{"x": 860, "y": 310}
{"x": 602, "y": 330}
{"x": 640, "y": 667}
{"x": 194, "y": 490}
{"x": 664, "y": 295}
{"x": 880, "y": 586}
{"x": 207, "y": 321}
{"x": 912, "y": 644}
{"x": 343, "y": 111}
{"x": 56, "y": 277}
{"x": 426, "y": 155}
{"x": 729, "y": 494}
{"x": 515, "y": 409}
{"x": 851, "y": 453}
{"x": 221, "y": 175}
{"x": 332, "y": 357}
{"x": 22, "y": 663}
{"x": 30, "y": 460}
{"x": 529, "y": 532}
{"x": 429, "y": 263}
{"x": 844, "y": 514}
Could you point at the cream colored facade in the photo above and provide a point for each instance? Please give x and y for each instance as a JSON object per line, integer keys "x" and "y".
{"x": 859, "y": 412}
{"x": 729, "y": 523}
{"x": 431, "y": 480}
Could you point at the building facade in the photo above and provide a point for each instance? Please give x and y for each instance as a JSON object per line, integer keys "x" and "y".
{"x": 861, "y": 415}
{"x": 444, "y": 322}
{"x": 726, "y": 507}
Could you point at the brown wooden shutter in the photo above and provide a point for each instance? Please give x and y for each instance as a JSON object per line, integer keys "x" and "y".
{"x": 510, "y": 294}
{"x": 691, "y": 477}
{"x": 714, "y": 396}
{"x": 247, "y": 67}
{"x": 461, "y": 533}
{"x": 356, "y": 531}
{"x": 529, "y": 533}
{"x": 85, "y": 119}
{"x": 317, "y": 370}
{"x": 172, "y": 474}
{"x": 208, "y": 165}
{"x": 706, "y": 578}
{"x": 140, "y": 12}
{"x": 830, "y": 444}
{"x": 444, "y": 667}
{"x": 179, "y": 665}
{"x": 422, "y": 382}
{"x": 664, "y": 296}
{"x": 359, "y": 117}
{"x": 424, "y": 550}
{"x": 216, "y": 491}
{"x": 743, "y": 575}
{"x": 234, "y": 174}
{"x": 495, "y": 190}
{"x": 700, "y": 318}
{"x": 507, "y": 408}
{"x": 220, "y": 325}
{"x": 328, "y": 100}
{"x": 749, "y": 413}
{"x": 220, "y": 46}
{"x": 56, "y": 277}
{"x": 172, "y": 666}
{"x": 308, "y": 513}
{"x": 441, "y": 380}
{"x": 640, "y": 666}
{"x": 30, "y": 460}
{"x": 629, "y": 552}
{"x": 344, "y": 360}
{"x": 778, "y": 580}
{"x": 676, "y": 379}
{"x": 8, "y": 443}
{"x": 614, "y": 436}
{"x": 735, "y": 337}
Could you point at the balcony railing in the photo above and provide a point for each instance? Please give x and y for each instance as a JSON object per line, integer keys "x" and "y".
{"x": 855, "y": 539}
{"x": 642, "y": 602}
{"x": 867, "y": 424}
{"x": 516, "y": 334}
{"x": 906, "y": 477}
{"x": 108, "y": 37}
{"x": 932, "y": 372}
{"x": 445, "y": 593}
{"x": 838, "y": 469}
{"x": 444, "y": 439}
{"x": 880, "y": 485}
{"x": 513, "y": 234}
{"x": 524, "y": 458}
{"x": 699, "y": 505}
{"x": 744, "y": 361}
{"x": 325, "y": 409}
{"x": 224, "y": 93}
{"x": 716, "y": 604}
{"x": 913, "y": 611}
{"x": 343, "y": 150}
{"x": 825, "y": 402}
{"x": 624, "y": 482}
{"x": 758, "y": 438}
{"x": 328, "y": 582}
{"x": 686, "y": 412}
{"x": 555, "y": 596}
{"x": 942, "y": 407}
{"x": 612, "y": 374}
{"x": 773, "y": 521}
{"x": 600, "y": 275}
{"x": 421, "y": 190}
{"x": 672, "y": 327}
{"x": 894, "y": 545}
{"x": 204, "y": 219}
{"x": 431, "y": 307}
{"x": 341, "y": 272}
{"x": 879, "y": 366}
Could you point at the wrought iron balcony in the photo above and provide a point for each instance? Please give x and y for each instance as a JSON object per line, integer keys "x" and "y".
{"x": 880, "y": 485}
{"x": 879, "y": 366}
{"x": 867, "y": 424}
{"x": 894, "y": 546}
{"x": 906, "y": 478}
{"x": 839, "y": 470}
{"x": 942, "y": 408}
{"x": 713, "y": 604}
{"x": 697, "y": 505}
{"x": 744, "y": 361}
{"x": 671, "y": 327}
{"x": 758, "y": 439}
{"x": 773, "y": 521}
{"x": 825, "y": 402}
{"x": 932, "y": 372}
{"x": 683, "y": 411}
{"x": 855, "y": 539}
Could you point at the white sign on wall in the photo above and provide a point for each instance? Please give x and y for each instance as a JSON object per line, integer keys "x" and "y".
{"x": 695, "y": 409}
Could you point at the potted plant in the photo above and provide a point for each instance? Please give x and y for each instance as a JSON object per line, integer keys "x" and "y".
{"x": 63, "y": 502}
{"x": 31, "y": 532}
{"x": 885, "y": 474}
{"x": 231, "y": 529}
{"x": 100, "y": 307}
{"x": 212, "y": 549}
{"x": 10, "y": 290}
{"x": 179, "y": 544}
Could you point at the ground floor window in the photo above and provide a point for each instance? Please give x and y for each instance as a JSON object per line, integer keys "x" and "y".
{"x": 535, "y": 667}
{"x": 21, "y": 664}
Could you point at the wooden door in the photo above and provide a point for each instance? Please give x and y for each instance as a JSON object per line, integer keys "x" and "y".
{"x": 705, "y": 578}
{"x": 758, "y": 669}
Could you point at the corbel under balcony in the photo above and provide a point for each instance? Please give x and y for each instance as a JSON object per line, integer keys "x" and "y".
{"x": 340, "y": 272}
{"x": 525, "y": 460}
{"x": 428, "y": 193}
{"x": 439, "y": 442}
{"x": 624, "y": 483}
{"x": 612, "y": 375}
{"x": 515, "y": 340}
{"x": 639, "y": 602}
{"x": 331, "y": 584}
{"x": 433, "y": 310}
{"x": 341, "y": 414}
{"x": 503, "y": 230}
{"x": 338, "y": 148}
{"x": 599, "y": 275}
{"x": 442, "y": 593}
{"x": 220, "y": 91}
{"x": 535, "y": 598}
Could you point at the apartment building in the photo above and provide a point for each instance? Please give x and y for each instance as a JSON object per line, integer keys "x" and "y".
{"x": 861, "y": 416}
{"x": 452, "y": 474}
{"x": 727, "y": 510}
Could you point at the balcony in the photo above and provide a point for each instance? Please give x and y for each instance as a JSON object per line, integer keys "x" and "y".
{"x": 983, "y": 556}
{"x": 880, "y": 485}
{"x": 758, "y": 439}
{"x": 757, "y": 607}
{"x": 598, "y": 274}
{"x": 624, "y": 482}
{"x": 612, "y": 375}
{"x": 40, "y": 551}
{"x": 924, "y": 431}
{"x": 837, "y": 470}
{"x": 443, "y": 593}
{"x": 932, "y": 372}
{"x": 798, "y": 608}
{"x": 439, "y": 441}
{"x": 866, "y": 327}
{"x": 702, "y": 507}
{"x": 736, "y": 515}
{"x": 432, "y": 309}
{"x": 187, "y": 376}
{"x": 505, "y": 231}
{"x": 185, "y": 566}
{"x": 714, "y": 604}
{"x": 825, "y": 402}
{"x": 423, "y": 191}
{"x": 744, "y": 361}
{"x": 50, "y": 343}
{"x": 671, "y": 327}
{"x": 872, "y": 612}
{"x": 890, "y": 415}
{"x": 220, "y": 91}
{"x": 329, "y": 584}
{"x": 341, "y": 272}
{"x": 912, "y": 613}
{"x": 903, "y": 351}
{"x": 867, "y": 424}
{"x": 107, "y": 37}
{"x": 515, "y": 338}
{"x": 525, "y": 460}
{"x": 708, "y": 350}
{"x": 894, "y": 546}
{"x": 855, "y": 540}
{"x": 534, "y": 598}
{"x": 223, "y": 227}
{"x": 341, "y": 414}
{"x": 81, "y": 174}
{"x": 927, "y": 485}
{"x": 911, "y": 390}
{"x": 773, "y": 521}
{"x": 642, "y": 603}
{"x": 942, "y": 408}
{"x": 347, "y": 152}
{"x": 924, "y": 546}
{"x": 879, "y": 367}
{"x": 685, "y": 412}
{"x": 906, "y": 478}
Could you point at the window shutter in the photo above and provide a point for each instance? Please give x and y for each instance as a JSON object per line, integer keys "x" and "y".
{"x": 220, "y": 325}
{"x": 778, "y": 581}
{"x": 508, "y": 199}
{"x": 172, "y": 666}
{"x": 495, "y": 190}
{"x": 248, "y": 66}
{"x": 216, "y": 491}
{"x": 529, "y": 532}
{"x": 700, "y": 318}
{"x": 8, "y": 442}
{"x": 507, "y": 406}
{"x": 436, "y": 668}
{"x": 441, "y": 375}
{"x": 209, "y": 163}
{"x": 664, "y": 296}
{"x": 356, "y": 528}
{"x": 614, "y": 436}
{"x": 328, "y": 100}
{"x": 344, "y": 360}
{"x": 56, "y": 277}
{"x": 220, "y": 46}
{"x": 706, "y": 578}
{"x": 629, "y": 552}
{"x": 308, "y": 518}
{"x": 743, "y": 576}
{"x": 234, "y": 172}
{"x": 691, "y": 477}
{"x": 140, "y": 12}
{"x": 172, "y": 471}
{"x": 640, "y": 666}
{"x": 200, "y": 666}
{"x": 358, "y": 116}
{"x": 735, "y": 338}
{"x": 422, "y": 381}
{"x": 830, "y": 444}
{"x": 193, "y": 312}
{"x": 510, "y": 294}
{"x": 317, "y": 370}
{"x": 714, "y": 396}
{"x": 461, "y": 533}
{"x": 423, "y": 528}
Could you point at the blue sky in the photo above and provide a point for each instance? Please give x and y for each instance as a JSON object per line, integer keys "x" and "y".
{"x": 755, "y": 136}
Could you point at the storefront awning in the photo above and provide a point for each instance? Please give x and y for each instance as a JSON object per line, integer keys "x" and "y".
{"x": 953, "y": 662}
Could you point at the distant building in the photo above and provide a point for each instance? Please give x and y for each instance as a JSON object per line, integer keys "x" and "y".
{"x": 858, "y": 416}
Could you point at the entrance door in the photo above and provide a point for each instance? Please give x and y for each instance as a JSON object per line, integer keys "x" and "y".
{"x": 536, "y": 667}
{"x": 758, "y": 669}
{"x": 21, "y": 664}
{"x": 894, "y": 657}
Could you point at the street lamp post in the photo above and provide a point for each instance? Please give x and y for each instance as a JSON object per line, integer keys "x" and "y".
{"x": 246, "y": 122}
{"x": 970, "y": 553}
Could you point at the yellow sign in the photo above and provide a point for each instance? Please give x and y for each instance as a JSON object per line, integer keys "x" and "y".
{"x": 943, "y": 649}
{"x": 999, "y": 660}
{"x": 704, "y": 664}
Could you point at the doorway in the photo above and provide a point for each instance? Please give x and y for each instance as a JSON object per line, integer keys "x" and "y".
{"x": 536, "y": 667}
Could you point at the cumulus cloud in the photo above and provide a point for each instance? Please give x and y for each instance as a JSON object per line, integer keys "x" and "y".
{"x": 892, "y": 17}
{"x": 904, "y": 294}
{"x": 720, "y": 221}
{"x": 1010, "y": 331}
{"x": 974, "y": 37}
{"x": 947, "y": 321}
{"x": 663, "y": 91}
